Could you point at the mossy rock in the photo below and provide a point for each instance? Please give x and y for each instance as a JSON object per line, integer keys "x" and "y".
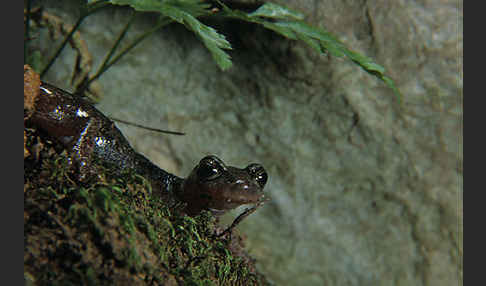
{"x": 113, "y": 232}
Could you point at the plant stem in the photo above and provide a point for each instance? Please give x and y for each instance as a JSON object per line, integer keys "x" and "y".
{"x": 117, "y": 43}
{"x": 63, "y": 44}
{"x": 163, "y": 22}
{"x": 84, "y": 14}
{"x": 145, "y": 127}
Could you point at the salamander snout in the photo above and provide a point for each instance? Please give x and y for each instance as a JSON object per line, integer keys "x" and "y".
{"x": 213, "y": 185}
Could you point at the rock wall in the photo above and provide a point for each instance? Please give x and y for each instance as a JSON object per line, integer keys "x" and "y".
{"x": 365, "y": 191}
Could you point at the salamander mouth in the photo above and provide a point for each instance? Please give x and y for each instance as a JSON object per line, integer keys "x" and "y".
{"x": 243, "y": 198}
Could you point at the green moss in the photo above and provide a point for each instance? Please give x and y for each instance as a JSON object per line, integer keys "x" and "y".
{"x": 112, "y": 231}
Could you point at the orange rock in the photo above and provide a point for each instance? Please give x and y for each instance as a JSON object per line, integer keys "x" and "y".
{"x": 31, "y": 89}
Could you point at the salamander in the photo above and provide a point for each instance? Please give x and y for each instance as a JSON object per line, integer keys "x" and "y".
{"x": 89, "y": 135}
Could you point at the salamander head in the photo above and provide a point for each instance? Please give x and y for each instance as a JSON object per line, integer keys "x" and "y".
{"x": 214, "y": 186}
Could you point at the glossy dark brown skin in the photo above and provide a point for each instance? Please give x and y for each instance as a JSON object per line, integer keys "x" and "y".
{"x": 214, "y": 186}
{"x": 90, "y": 136}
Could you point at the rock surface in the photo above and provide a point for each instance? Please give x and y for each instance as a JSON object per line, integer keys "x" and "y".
{"x": 365, "y": 191}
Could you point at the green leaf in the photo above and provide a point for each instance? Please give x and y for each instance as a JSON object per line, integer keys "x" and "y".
{"x": 185, "y": 12}
{"x": 313, "y": 43}
{"x": 212, "y": 40}
{"x": 195, "y": 7}
{"x": 286, "y": 32}
{"x": 275, "y": 11}
{"x": 388, "y": 81}
{"x": 328, "y": 41}
{"x": 93, "y": 2}
{"x": 141, "y": 5}
{"x": 365, "y": 62}
{"x": 280, "y": 19}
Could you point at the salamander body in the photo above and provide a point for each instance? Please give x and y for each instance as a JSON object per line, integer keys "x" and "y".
{"x": 91, "y": 136}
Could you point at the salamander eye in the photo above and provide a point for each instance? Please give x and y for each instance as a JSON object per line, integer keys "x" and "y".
{"x": 209, "y": 168}
{"x": 258, "y": 172}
